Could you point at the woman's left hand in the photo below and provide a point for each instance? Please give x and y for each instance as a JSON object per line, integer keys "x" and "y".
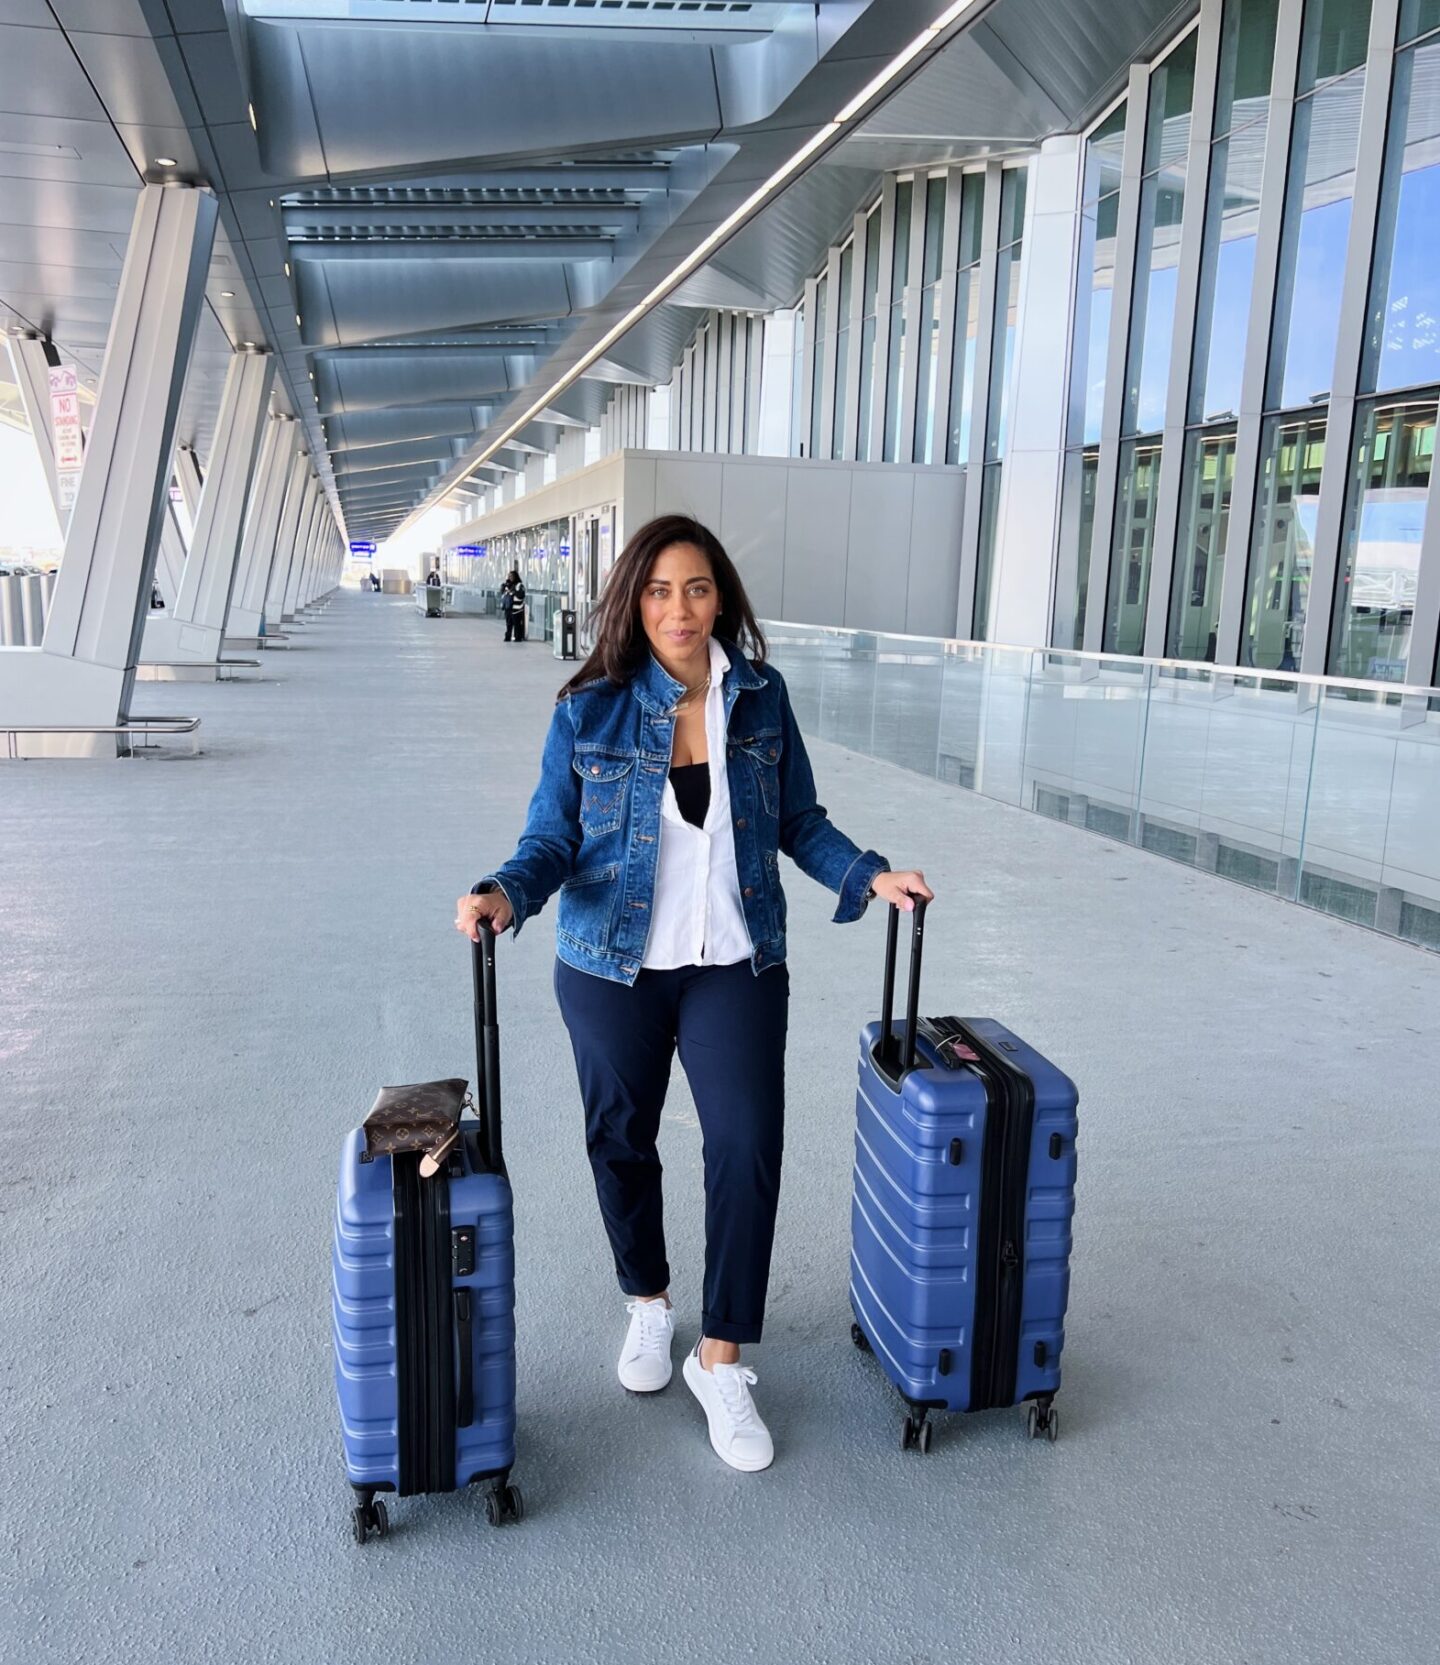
{"x": 899, "y": 889}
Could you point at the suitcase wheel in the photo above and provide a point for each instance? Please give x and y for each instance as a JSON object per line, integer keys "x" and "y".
{"x": 504, "y": 1503}
{"x": 366, "y": 1518}
{"x": 1042, "y": 1419}
{"x": 915, "y": 1434}
{"x": 861, "y": 1340}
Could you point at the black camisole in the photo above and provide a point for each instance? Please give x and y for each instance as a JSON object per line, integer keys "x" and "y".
{"x": 692, "y": 791}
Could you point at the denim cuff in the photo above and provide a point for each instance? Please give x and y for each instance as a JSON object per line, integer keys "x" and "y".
{"x": 512, "y": 894}
{"x": 855, "y": 886}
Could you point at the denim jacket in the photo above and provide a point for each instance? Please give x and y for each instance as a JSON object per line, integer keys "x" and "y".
{"x": 593, "y": 829}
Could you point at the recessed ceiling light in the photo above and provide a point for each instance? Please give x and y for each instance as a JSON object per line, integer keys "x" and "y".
{"x": 287, "y": 268}
{"x": 297, "y": 320}
{"x": 253, "y": 123}
{"x": 166, "y": 162}
{"x": 227, "y": 294}
{"x": 247, "y": 343}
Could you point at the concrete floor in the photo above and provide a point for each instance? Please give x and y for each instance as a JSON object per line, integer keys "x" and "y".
{"x": 210, "y": 965}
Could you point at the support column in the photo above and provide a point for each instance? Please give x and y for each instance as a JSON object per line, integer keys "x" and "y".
{"x": 285, "y": 541}
{"x": 257, "y": 549}
{"x": 170, "y": 563}
{"x": 305, "y": 589}
{"x": 85, "y": 671}
{"x": 189, "y": 480}
{"x": 195, "y": 627}
{"x": 302, "y": 545}
{"x": 313, "y": 586}
{"x": 30, "y": 365}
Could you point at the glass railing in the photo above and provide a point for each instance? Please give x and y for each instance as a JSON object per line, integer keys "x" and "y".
{"x": 1315, "y": 790}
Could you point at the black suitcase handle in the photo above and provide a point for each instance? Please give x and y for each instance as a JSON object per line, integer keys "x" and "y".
{"x": 906, "y": 1060}
{"x": 487, "y": 1048}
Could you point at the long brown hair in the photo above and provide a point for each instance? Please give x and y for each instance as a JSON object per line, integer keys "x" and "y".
{"x": 621, "y": 646}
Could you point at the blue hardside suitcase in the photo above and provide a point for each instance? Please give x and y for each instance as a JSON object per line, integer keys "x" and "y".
{"x": 424, "y": 1307}
{"x": 961, "y": 1215}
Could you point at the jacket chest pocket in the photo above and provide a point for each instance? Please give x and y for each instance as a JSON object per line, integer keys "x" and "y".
{"x": 762, "y": 751}
{"x": 604, "y": 782}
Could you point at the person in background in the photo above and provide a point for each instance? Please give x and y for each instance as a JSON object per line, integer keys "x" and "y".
{"x": 673, "y": 779}
{"x": 512, "y": 605}
{"x": 433, "y": 578}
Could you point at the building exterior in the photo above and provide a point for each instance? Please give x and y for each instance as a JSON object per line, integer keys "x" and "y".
{"x": 1186, "y": 359}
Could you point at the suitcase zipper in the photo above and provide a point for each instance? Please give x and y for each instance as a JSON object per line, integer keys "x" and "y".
{"x": 1005, "y": 1166}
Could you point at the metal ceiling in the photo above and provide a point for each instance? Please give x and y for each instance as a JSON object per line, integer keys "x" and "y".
{"x": 432, "y": 208}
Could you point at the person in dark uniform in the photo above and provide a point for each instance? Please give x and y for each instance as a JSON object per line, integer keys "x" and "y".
{"x": 512, "y": 605}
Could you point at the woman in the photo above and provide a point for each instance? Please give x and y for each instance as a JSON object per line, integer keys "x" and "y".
{"x": 672, "y": 777}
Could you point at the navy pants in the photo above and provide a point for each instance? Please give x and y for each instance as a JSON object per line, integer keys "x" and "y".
{"x": 729, "y": 1026}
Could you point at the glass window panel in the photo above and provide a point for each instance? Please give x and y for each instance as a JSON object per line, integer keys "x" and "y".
{"x": 1418, "y": 17}
{"x": 1092, "y": 321}
{"x": 842, "y": 358}
{"x": 872, "y": 264}
{"x": 934, "y": 228}
{"x": 1089, "y": 474}
{"x": 863, "y": 449}
{"x": 1002, "y": 349}
{"x": 847, "y": 282}
{"x": 1403, "y": 341}
{"x": 1132, "y": 546}
{"x": 1172, "y": 97}
{"x": 1313, "y": 243}
{"x": 1012, "y": 205}
{"x": 1333, "y": 40}
{"x": 1208, "y": 479}
{"x": 1227, "y": 273}
{"x": 895, "y": 378}
{"x": 817, "y": 366}
{"x": 928, "y": 346}
{"x": 895, "y": 355}
{"x": 1082, "y": 469}
{"x": 962, "y": 367}
{"x": 1380, "y": 544}
{"x": 1162, "y": 204}
{"x": 983, "y": 628}
{"x": 972, "y": 212}
{"x": 1247, "y": 57}
{"x": 900, "y": 252}
{"x": 1292, "y": 453}
{"x": 1103, "y": 151}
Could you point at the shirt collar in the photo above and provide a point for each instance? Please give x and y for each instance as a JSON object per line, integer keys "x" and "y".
{"x": 658, "y": 691}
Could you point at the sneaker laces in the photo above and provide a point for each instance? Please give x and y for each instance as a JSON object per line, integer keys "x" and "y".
{"x": 734, "y": 1382}
{"x": 654, "y": 1334}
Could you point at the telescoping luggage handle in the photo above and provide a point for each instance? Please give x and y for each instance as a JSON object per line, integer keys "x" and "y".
{"x": 487, "y": 1047}
{"x": 906, "y": 1059}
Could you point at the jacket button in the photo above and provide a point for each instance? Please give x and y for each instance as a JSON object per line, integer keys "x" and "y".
{"x": 749, "y": 891}
{"x": 594, "y": 768}
{"x": 741, "y": 823}
{"x": 772, "y": 751}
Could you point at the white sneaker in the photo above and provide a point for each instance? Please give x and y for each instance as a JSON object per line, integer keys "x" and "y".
{"x": 645, "y": 1357}
{"x": 738, "y": 1435}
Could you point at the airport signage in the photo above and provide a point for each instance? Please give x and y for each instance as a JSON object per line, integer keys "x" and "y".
{"x": 65, "y": 417}
{"x": 361, "y": 548}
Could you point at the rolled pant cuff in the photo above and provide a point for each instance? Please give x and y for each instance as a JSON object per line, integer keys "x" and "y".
{"x": 717, "y": 1329}
{"x": 645, "y": 1288}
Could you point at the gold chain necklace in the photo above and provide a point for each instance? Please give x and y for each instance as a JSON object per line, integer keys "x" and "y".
{"x": 691, "y": 696}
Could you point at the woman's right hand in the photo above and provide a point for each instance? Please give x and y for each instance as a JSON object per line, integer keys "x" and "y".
{"x": 470, "y": 910}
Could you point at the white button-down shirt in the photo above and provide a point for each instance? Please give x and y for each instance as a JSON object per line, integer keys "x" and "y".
{"x": 697, "y": 917}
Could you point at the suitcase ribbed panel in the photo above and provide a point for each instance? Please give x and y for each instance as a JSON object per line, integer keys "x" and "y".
{"x": 363, "y": 1307}
{"x": 916, "y": 1221}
